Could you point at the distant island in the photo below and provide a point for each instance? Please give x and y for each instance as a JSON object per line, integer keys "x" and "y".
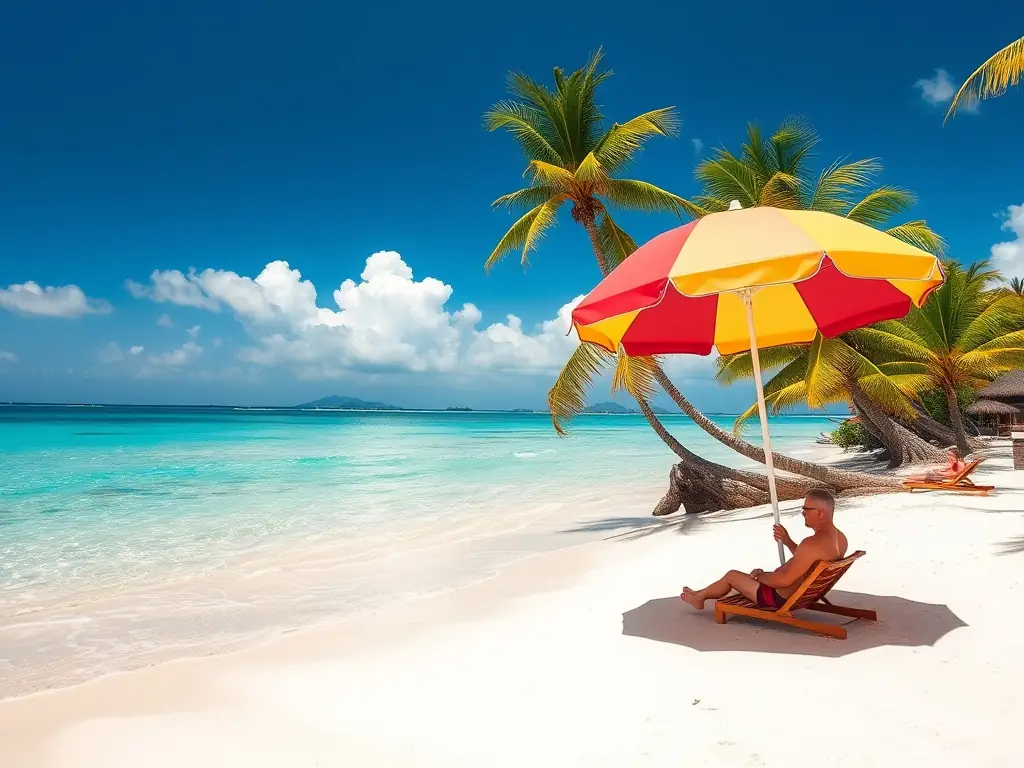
{"x": 609, "y": 407}
{"x": 349, "y": 403}
{"x": 458, "y": 408}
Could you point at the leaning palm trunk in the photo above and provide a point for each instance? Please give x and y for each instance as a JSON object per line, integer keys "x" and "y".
{"x": 699, "y": 485}
{"x": 902, "y": 445}
{"x": 837, "y": 479}
{"x": 927, "y": 428}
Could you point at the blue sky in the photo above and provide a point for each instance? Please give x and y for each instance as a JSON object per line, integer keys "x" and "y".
{"x": 228, "y": 136}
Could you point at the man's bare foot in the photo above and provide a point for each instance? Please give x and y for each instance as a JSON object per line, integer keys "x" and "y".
{"x": 691, "y": 597}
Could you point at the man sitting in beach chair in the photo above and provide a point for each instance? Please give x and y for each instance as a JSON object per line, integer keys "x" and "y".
{"x": 770, "y": 590}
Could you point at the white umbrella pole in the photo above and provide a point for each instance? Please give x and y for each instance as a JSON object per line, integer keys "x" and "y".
{"x": 748, "y": 299}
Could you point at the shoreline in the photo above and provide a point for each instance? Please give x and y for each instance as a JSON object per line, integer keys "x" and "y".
{"x": 546, "y": 634}
{"x": 41, "y": 637}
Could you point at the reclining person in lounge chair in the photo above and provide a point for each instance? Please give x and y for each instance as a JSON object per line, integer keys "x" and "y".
{"x": 771, "y": 589}
{"x": 954, "y": 466}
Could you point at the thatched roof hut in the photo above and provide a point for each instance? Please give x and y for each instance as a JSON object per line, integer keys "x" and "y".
{"x": 991, "y": 408}
{"x": 1000, "y": 406}
{"x": 1009, "y": 386}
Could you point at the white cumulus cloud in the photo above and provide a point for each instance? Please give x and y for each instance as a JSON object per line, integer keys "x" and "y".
{"x": 164, "y": 321}
{"x": 110, "y": 353}
{"x": 938, "y": 90}
{"x": 137, "y": 350}
{"x": 65, "y": 301}
{"x": 1008, "y": 256}
{"x": 386, "y": 321}
{"x": 194, "y": 331}
{"x": 8, "y": 357}
{"x": 186, "y": 354}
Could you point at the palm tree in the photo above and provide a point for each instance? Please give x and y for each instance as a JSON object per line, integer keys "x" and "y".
{"x": 1003, "y": 69}
{"x": 776, "y": 171}
{"x": 964, "y": 336}
{"x": 574, "y": 158}
{"x": 830, "y": 371}
{"x": 769, "y": 171}
{"x": 1013, "y": 286}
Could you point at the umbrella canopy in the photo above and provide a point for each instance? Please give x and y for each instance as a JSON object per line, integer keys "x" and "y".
{"x": 749, "y": 278}
{"x": 681, "y": 293}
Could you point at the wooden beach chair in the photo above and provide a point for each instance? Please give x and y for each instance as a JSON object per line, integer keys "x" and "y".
{"x": 959, "y": 482}
{"x": 810, "y": 596}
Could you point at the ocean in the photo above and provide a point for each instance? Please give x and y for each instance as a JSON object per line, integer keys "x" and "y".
{"x": 133, "y": 535}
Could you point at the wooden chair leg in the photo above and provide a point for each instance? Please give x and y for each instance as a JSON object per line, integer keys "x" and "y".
{"x": 720, "y": 617}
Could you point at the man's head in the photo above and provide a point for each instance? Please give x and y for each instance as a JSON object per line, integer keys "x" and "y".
{"x": 819, "y": 506}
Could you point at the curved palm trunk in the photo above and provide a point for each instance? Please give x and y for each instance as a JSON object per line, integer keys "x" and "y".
{"x": 956, "y": 420}
{"x": 595, "y": 241}
{"x": 699, "y": 485}
{"x": 904, "y": 446}
{"x": 927, "y": 428}
{"x": 838, "y": 479}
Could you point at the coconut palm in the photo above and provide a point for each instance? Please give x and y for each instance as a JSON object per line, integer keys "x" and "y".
{"x": 830, "y": 371}
{"x": 1003, "y": 69}
{"x": 963, "y": 337}
{"x": 773, "y": 170}
{"x": 776, "y": 170}
{"x": 1013, "y": 285}
{"x": 575, "y": 158}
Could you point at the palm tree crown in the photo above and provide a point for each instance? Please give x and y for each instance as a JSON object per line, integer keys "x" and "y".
{"x": 574, "y": 157}
{"x": 776, "y": 170}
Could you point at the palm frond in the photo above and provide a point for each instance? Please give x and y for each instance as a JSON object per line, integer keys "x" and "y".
{"x": 550, "y": 174}
{"x": 527, "y": 127}
{"x": 891, "y": 341}
{"x": 1003, "y": 69}
{"x": 635, "y": 375}
{"x": 829, "y": 363}
{"x": 615, "y": 244}
{"x": 568, "y": 395}
{"x": 740, "y": 366}
{"x": 617, "y": 148}
{"x": 528, "y": 197}
{"x": 920, "y": 235}
{"x": 881, "y": 204}
{"x": 838, "y": 182}
{"x": 1000, "y": 316}
{"x": 527, "y": 232}
{"x": 635, "y": 195}
{"x": 546, "y": 103}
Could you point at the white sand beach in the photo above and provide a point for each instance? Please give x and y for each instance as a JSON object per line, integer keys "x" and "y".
{"x": 588, "y": 657}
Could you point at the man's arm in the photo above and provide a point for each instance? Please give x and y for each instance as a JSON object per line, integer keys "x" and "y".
{"x": 781, "y": 534}
{"x": 786, "y": 575}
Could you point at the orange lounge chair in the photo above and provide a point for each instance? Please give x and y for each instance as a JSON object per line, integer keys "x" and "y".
{"x": 959, "y": 482}
{"x": 810, "y": 595}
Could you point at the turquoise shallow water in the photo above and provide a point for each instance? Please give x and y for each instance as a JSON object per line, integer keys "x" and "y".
{"x": 126, "y": 532}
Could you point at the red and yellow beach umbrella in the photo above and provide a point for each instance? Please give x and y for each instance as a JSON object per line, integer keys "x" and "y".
{"x": 756, "y": 277}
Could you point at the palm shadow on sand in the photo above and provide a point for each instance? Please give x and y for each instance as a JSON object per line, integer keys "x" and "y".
{"x": 901, "y": 622}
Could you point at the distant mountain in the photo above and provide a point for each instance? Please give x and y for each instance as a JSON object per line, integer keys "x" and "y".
{"x": 609, "y": 407}
{"x": 350, "y": 403}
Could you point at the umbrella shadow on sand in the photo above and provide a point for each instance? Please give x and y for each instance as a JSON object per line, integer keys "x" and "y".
{"x": 901, "y": 622}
